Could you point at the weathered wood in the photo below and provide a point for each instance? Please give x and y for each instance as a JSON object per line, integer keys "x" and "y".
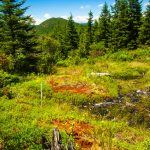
{"x": 56, "y": 140}
{"x": 56, "y": 143}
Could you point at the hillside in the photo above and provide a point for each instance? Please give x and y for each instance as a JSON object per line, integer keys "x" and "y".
{"x": 96, "y": 112}
{"x": 49, "y": 25}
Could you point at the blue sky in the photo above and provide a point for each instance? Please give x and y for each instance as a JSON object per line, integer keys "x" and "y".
{"x": 44, "y": 9}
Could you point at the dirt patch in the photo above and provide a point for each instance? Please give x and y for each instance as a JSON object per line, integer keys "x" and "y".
{"x": 79, "y": 88}
{"x": 81, "y": 131}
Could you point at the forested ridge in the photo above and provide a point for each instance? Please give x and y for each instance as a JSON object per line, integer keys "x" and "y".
{"x": 90, "y": 81}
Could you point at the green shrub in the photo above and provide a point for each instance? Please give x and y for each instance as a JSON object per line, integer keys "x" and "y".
{"x": 7, "y": 79}
{"x": 142, "y": 54}
{"x": 73, "y": 59}
{"x": 30, "y": 137}
{"x": 32, "y": 89}
{"x": 130, "y": 73}
{"x": 121, "y": 56}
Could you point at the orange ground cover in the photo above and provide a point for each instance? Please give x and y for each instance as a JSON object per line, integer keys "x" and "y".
{"x": 79, "y": 88}
{"x": 81, "y": 132}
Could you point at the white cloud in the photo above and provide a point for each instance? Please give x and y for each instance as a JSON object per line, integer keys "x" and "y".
{"x": 80, "y": 19}
{"x": 83, "y": 19}
{"x": 100, "y": 5}
{"x": 38, "y": 21}
{"x": 47, "y": 16}
{"x": 82, "y": 7}
{"x": 96, "y": 18}
{"x": 147, "y": 4}
{"x": 65, "y": 17}
{"x": 85, "y": 7}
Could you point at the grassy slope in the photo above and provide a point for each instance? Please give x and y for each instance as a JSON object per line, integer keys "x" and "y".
{"x": 23, "y": 121}
{"x": 49, "y": 25}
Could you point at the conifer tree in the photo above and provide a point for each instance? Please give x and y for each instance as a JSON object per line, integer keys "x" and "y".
{"x": 144, "y": 34}
{"x": 83, "y": 44}
{"x": 72, "y": 38}
{"x": 104, "y": 25}
{"x": 1, "y": 30}
{"x": 95, "y": 32}
{"x": 134, "y": 21}
{"x": 90, "y": 28}
{"x": 120, "y": 33}
{"x": 18, "y": 35}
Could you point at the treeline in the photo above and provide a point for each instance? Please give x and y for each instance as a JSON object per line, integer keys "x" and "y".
{"x": 124, "y": 26}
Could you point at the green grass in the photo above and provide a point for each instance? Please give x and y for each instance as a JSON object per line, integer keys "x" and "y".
{"x": 23, "y": 120}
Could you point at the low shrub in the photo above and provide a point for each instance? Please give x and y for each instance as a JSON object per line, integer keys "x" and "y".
{"x": 32, "y": 89}
{"x": 98, "y": 49}
{"x": 128, "y": 74}
{"x": 7, "y": 79}
{"x": 121, "y": 56}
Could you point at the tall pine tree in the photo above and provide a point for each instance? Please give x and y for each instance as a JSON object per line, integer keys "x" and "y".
{"x": 72, "y": 38}
{"x": 144, "y": 34}
{"x": 83, "y": 44}
{"x": 95, "y": 32}
{"x": 134, "y": 20}
{"x": 18, "y": 35}
{"x": 104, "y": 25}
{"x": 120, "y": 33}
{"x": 90, "y": 29}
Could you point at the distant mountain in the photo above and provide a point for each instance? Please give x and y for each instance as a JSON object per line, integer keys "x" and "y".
{"x": 49, "y": 25}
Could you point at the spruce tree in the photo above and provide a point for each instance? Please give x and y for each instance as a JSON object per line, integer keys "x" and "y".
{"x": 104, "y": 25}
{"x": 90, "y": 28}
{"x": 120, "y": 33}
{"x": 1, "y": 31}
{"x": 144, "y": 34}
{"x": 18, "y": 35}
{"x": 83, "y": 44}
{"x": 72, "y": 38}
{"x": 134, "y": 21}
{"x": 95, "y": 32}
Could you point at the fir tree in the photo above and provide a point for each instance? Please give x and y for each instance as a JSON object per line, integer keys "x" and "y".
{"x": 18, "y": 37}
{"x": 96, "y": 32}
{"x": 144, "y": 34}
{"x": 72, "y": 38}
{"x": 83, "y": 44}
{"x": 120, "y": 33}
{"x": 134, "y": 20}
{"x": 90, "y": 28}
{"x": 104, "y": 25}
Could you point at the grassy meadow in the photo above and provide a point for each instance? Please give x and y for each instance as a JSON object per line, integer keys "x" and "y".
{"x": 69, "y": 96}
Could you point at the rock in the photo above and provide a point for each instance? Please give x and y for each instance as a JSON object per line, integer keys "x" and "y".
{"x": 100, "y": 74}
{"x": 130, "y": 104}
{"x": 140, "y": 92}
{"x": 104, "y": 104}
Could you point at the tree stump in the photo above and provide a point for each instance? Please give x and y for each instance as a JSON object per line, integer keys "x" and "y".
{"x": 56, "y": 143}
{"x": 56, "y": 140}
